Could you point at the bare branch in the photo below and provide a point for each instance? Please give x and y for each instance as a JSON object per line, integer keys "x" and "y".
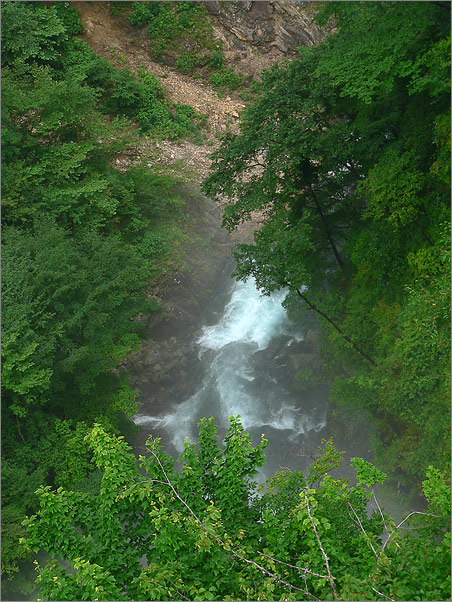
{"x": 340, "y": 331}
{"x": 177, "y": 591}
{"x": 401, "y": 523}
{"x": 362, "y": 528}
{"x": 298, "y": 568}
{"x": 327, "y": 564}
{"x": 384, "y": 595}
{"x": 380, "y": 511}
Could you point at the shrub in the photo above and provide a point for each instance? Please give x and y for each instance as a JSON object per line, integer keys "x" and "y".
{"x": 226, "y": 78}
{"x": 69, "y": 16}
{"x": 118, "y": 8}
{"x": 153, "y": 245}
{"x": 143, "y": 13}
{"x": 217, "y": 58}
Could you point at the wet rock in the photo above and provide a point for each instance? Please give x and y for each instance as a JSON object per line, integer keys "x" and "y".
{"x": 304, "y": 362}
{"x": 311, "y": 339}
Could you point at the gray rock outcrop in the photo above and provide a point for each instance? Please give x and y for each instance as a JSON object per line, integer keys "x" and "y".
{"x": 280, "y": 25}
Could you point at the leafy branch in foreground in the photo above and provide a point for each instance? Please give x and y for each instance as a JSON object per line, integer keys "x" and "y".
{"x": 203, "y": 534}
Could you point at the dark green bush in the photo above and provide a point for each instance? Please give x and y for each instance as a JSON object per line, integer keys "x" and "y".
{"x": 187, "y": 13}
{"x": 189, "y": 60}
{"x": 226, "y": 78}
{"x": 126, "y": 95}
{"x": 173, "y": 20}
{"x": 144, "y": 13}
{"x": 118, "y": 8}
{"x": 137, "y": 96}
{"x": 69, "y": 16}
{"x": 216, "y": 60}
{"x": 153, "y": 245}
{"x": 145, "y": 197}
{"x": 32, "y": 34}
{"x": 130, "y": 94}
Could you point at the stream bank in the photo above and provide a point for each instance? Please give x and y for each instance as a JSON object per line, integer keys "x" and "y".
{"x": 164, "y": 358}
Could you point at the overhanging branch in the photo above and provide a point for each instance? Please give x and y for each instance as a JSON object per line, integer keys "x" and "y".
{"x": 339, "y": 330}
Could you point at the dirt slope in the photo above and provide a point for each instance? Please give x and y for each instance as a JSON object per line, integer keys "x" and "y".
{"x": 126, "y": 46}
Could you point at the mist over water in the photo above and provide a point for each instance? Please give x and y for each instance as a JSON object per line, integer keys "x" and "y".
{"x": 245, "y": 353}
{"x": 244, "y": 358}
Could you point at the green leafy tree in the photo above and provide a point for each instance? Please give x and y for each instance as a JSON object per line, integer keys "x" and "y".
{"x": 205, "y": 535}
{"x": 343, "y": 157}
{"x": 67, "y": 321}
{"x": 67, "y": 306}
{"x": 31, "y": 34}
{"x": 57, "y": 140}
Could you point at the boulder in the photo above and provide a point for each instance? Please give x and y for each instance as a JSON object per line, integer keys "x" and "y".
{"x": 311, "y": 339}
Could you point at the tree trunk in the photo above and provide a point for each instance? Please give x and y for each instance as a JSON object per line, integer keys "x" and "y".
{"x": 18, "y": 429}
{"x": 327, "y": 230}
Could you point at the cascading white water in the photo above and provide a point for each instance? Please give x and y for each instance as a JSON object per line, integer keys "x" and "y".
{"x": 249, "y": 318}
{"x": 244, "y": 355}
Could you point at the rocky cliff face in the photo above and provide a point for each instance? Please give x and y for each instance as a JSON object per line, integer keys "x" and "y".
{"x": 267, "y": 25}
{"x": 167, "y": 357}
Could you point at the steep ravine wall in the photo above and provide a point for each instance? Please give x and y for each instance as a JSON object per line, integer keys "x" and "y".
{"x": 164, "y": 356}
{"x": 254, "y": 35}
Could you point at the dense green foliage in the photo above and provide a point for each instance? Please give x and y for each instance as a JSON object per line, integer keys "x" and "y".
{"x": 69, "y": 69}
{"x": 81, "y": 241}
{"x": 67, "y": 314}
{"x": 178, "y": 27}
{"x": 206, "y": 533}
{"x": 226, "y": 78}
{"x": 346, "y": 154}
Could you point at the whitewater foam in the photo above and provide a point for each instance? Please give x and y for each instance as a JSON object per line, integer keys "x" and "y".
{"x": 236, "y": 381}
{"x": 248, "y": 317}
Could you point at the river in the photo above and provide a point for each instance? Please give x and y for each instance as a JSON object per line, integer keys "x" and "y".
{"x": 244, "y": 349}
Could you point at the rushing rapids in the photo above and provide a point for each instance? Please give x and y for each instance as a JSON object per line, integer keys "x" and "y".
{"x": 244, "y": 359}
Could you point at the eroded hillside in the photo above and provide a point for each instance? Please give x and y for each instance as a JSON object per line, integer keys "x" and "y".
{"x": 254, "y": 36}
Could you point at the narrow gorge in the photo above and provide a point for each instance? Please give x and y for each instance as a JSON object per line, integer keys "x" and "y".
{"x": 225, "y": 300}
